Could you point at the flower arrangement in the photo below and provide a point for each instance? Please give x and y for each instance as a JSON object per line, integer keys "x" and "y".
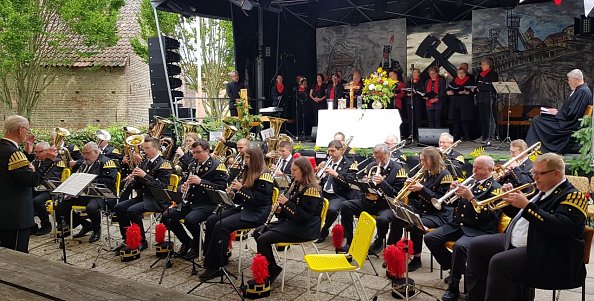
{"x": 378, "y": 87}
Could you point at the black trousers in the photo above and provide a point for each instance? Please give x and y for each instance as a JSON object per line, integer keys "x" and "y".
{"x": 493, "y": 272}
{"x": 265, "y": 241}
{"x": 416, "y": 236}
{"x": 417, "y": 112}
{"x": 310, "y": 116}
{"x": 15, "y": 239}
{"x": 455, "y": 260}
{"x": 93, "y": 209}
{"x": 334, "y": 206}
{"x": 131, "y": 211}
{"x": 40, "y": 210}
{"x": 192, "y": 219}
{"x": 485, "y": 113}
{"x": 233, "y": 111}
{"x": 217, "y": 235}
{"x": 434, "y": 118}
{"x": 351, "y": 208}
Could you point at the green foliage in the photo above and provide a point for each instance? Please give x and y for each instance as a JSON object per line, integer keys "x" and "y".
{"x": 80, "y": 137}
{"x": 146, "y": 20}
{"x": 244, "y": 122}
{"x": 36, "y": 34}
{"x": 584, "y": 137}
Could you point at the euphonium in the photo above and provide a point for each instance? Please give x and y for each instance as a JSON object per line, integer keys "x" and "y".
{"x": 189, "y": 127}
{"x": 277, "y": 137}
{"x": 220, "y": 149}
{"x": 492, "y": 204}
{"x": 404, "y": 192}
{"x": 450, "y": 196}
{"x": 129, "y": 131}
{"x": 133, "y": 142}
{"x": 58, "y": 142}
{"x": 500, "y": 171}
{"x": 160, "y": 125}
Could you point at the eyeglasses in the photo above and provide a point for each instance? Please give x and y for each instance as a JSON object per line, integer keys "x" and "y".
{"x": 535, "y": 173}
{"x": 28, "y": 129}
{"x": 198, "y": 151}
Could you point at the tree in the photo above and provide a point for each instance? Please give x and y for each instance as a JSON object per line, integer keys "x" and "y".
{"x": 204, "y": 39}
{"x": 37, "y": 35}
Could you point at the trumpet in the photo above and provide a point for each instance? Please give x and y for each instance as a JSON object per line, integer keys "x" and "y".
{"x": 500, "y": 171}
{"x": 450, "y": 196}
{"x": 373, "y": 171}
{"x": 405, "y": 192}
{"x": 492, "y": 204}
{"x": 276, "y": 205}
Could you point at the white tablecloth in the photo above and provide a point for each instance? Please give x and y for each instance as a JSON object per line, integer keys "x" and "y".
{"x": 369, "y": 127}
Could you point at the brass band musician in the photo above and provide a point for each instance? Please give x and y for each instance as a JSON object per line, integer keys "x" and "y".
{"x": 337, "y": 173}
{"x": 518, "y": 171}
{"x": 205, "y": 174}
{"x": 454, "y": 160}
{"x": 285, "y": 158}
{"x": 103, "y": 138}
{"x": 435, "y": 183}
{"x": 39, "y": 198}
{"x": 183, "y": 154}
{"x": 466, "y": 224}
{"x": 236, "y": 167}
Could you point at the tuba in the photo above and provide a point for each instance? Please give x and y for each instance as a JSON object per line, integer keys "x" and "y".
{"x": 133, "y": 143}
{"x": 273, "y": 142}
{"x": 167, "y": 143}
{"x": 190, "y": 127}
{"x": 58, "y": 141}
{"x": 220, "y": 150}
{"x": 129, "y": 131}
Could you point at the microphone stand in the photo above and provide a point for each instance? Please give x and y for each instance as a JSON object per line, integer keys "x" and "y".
{"x": 412, "y": 106}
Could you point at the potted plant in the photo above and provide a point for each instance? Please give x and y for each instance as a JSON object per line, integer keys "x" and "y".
{"x": 378, "y": 89}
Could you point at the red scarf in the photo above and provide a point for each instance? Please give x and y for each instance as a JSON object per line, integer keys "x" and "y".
{"x": 484, "y": 73}
{"x": 435, "y": 84}
{"x": 301, "y": 88}
{"x": 280, "y": 87}
{"x": 331, "y": 94}
{"x": 416, "y": 79}
{"x": 461, "y": 81}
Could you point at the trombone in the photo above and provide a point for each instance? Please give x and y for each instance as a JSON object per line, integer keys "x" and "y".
{"x": 492, "y": 204}
{"x": 500, "y": 171}
{"x": 450, "y": 196}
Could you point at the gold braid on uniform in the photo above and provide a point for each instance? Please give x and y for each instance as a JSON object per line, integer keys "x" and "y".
{"x": 577, "y": 200}
{"x": 17, "y": 160}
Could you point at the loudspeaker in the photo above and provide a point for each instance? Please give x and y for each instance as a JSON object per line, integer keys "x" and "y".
{"x": 431, "y": 135}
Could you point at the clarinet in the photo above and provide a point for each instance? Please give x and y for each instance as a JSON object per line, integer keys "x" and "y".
{"x": 275, "y": 207}
{"x": 185, "y": 194}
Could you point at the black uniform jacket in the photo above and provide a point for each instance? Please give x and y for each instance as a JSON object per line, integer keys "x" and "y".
{"x": 105, "y": 169}
{"x": 434, "y": 186}
{"x": 54, "y": 172}
{"x": 394, "y": 177}
{"x": 16, "y": 181}
{"x": 112, "y": 153}
{"x": 157, "y": 175}
{"x": 300, "y": 216}
{"x": 519, "y": 175}
{"x": 455, "y": 162}
{"x": 347, "y": 170}
{"x": 472, "y": 223}
{"x": 185, "y": 160}
{"x": 213, "y": 175}
{"x": 256, "y": 202}
{"x": 555, "y": 239}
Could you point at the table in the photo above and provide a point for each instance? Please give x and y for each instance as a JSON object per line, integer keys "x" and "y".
{"x": 369, "y": 127}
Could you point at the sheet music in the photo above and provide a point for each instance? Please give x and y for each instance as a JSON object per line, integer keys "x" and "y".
{"x": 282, "y": 181}
{"x": 224, "y": 198}
{"x": 75, "y": 184}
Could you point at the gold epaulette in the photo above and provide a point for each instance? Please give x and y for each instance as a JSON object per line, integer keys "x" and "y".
{"x": 165, "y": 165}
{"x": 110, "y": 164}
{"x": 496, "y": 191}
{"x": 17, "y": 160}
{"x": 116, "y": 151}
{"x": 222, "y": 167}
{"x": 354, "y": 166}
{"x": 577, "y": 200}
{"x": 460, "y": 158}
{"x": 447, "y": 179}
{"x": 267, "y": 177}
{"x": 402, "y": 173}
{"x": 60, "y": 164}
{"x": 312, "y": 191}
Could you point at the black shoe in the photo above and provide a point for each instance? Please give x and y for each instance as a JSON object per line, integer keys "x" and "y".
{"x": 414, "y": 264}
{"x": 33, "y": 230}
{"x": 183, "y": 250}
{"x": 376, "y": 247}
{"x": 344, "y": 249}
{"x": 119, "y": 248}
{"x": 282, "y": 249}
{"x": 143, "y": 246}
{"x": 451, "y": 294}
{"x": 43, "y": 231}
{"x": 210, "y": 274}
{"x": 82, "y": 232}
{"x": 95, "y": 236}
{"x": 275, "y": 271}
{"x": 446, "y": 279}
{"x": 192, "y": 254}
{"x": 323, "y": 235}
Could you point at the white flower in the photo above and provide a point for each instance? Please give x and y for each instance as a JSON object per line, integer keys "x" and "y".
{"x": 385, "y": 83}
{"x": 371, "y": 87}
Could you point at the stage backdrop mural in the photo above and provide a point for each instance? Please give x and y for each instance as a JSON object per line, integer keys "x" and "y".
{"x": 535, "y": 45}
{"x": 461, "y": 30}
{"x": 360, "y": 47}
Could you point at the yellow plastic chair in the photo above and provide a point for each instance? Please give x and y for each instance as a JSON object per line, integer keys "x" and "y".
{"x": 285, "y": 245}
{"x": 155, "y": 216}
{"x": 242, "y": 232}
{"x": 49, "y": 204}
{"x": 326, "y": 263}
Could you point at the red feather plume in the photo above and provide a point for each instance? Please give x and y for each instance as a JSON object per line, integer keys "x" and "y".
{"x": 259, "y": 268}
{"x": 160, "y": 230}
{"x": 312, "y": 161}
{"x": 392, "y": 40}
{"x": 231, "y": 240}
{"x": 337, "y": 236}
{"x": 296, "y": 155}
{"x": 395, "y": 261}
{"x": 557, "y": 2}
{"x": 401, "y": 244}
{"x": 133, "y": 237}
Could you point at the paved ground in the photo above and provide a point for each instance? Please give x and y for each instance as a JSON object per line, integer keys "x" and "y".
{"x": 179, "y": 278}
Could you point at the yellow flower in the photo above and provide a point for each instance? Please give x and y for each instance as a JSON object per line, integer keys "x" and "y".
{"x": 380, "y": 70}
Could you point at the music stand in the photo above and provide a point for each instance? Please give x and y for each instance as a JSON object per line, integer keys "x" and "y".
{"x": 72, "y": 187}
{"x": 224, "y": 200}
{"x": 48, "y": 186}
{"x": 507, "y": 88}
{"x": 282, "y": 182}
{"x": 412, "y": 220}
{"x": 99, "y": 190}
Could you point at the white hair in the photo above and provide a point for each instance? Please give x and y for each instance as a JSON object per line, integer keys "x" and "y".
{"x": 577, "y": 74}
{"x": 447, "y": 135}
{"x": 486, "y": 159}
{"x": 92, "y": 146}
{"x": 13, "y": 123}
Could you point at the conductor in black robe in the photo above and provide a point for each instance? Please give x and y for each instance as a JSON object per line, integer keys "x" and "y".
{"x": 553, "y": 127}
